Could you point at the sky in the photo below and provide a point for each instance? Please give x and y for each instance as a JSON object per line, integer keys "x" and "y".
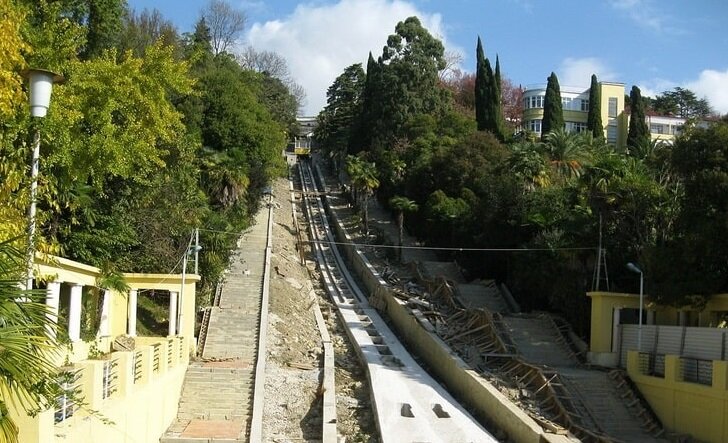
{"x": 654, "y": 44}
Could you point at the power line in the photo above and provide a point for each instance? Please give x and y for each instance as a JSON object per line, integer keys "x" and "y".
{"x": 435, "y": 248}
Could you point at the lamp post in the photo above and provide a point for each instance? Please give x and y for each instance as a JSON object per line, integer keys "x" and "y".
{"x": 40, "y": 85}
{"x": 634, "y": 268}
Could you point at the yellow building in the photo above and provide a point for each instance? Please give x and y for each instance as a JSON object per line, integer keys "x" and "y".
{"x": 575, "y": 104}
{"x": 677, "y": 358}
{"x": 128, "y": 395}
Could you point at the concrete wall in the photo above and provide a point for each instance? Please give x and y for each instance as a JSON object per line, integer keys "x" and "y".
{"x": 466, "y": 385}
{"x": 684, "y": 407}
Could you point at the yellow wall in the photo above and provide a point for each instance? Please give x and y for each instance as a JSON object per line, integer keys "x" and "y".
{"x": 140, "y": 411}
{"x": 683, "y": 407}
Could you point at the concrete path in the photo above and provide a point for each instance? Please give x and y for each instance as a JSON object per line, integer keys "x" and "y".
{"x": 217, "y": 394}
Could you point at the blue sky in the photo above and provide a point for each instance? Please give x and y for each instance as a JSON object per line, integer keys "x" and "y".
{"x": 655, "y": 44}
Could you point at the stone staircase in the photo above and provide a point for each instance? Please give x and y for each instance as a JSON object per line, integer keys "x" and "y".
{"x": 599, "y": 400}
{"x": 217, "y": 394}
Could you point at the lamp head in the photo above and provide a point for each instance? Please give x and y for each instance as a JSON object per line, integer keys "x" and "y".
{"x": 634, "y": 268}
{"x": 41, "y": 85}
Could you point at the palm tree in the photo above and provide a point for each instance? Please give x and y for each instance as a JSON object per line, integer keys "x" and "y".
{"x": 568, "y": 152}
{"x": 364, "y": 178}
{"x": 27, "y": 346}
{"x": 402, "y": 205}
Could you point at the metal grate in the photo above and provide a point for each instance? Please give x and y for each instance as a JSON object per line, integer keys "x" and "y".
{"x": 137, "y": 366}
{"x": 699, "y": 371}
{"x": 110, "y": 380}
{"x": 156, "y": 357}
{"x": 66, "y": 402}
{"x": 170, "y": 351}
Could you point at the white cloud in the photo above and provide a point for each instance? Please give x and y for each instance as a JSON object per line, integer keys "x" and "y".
{"x": 578, "y": 71}
{"x": 711, "y": 84}
{"x": 319, "y": 41}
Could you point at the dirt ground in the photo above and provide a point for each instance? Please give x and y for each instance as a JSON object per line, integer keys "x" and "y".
{"x": 293, "y": 400}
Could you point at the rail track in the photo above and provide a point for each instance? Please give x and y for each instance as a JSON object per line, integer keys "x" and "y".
{"x": 408, "y": 404}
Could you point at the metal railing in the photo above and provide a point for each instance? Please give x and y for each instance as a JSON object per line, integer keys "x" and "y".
{"x": 156, "y": 357}
{"x": 70, "y": 384}
{"x": 110, "y": 378}
{"x": 137, "y": 366}
{"x": 695, "y": 370}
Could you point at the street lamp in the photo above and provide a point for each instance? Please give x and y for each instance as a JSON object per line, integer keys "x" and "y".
{"x": 40, "y": 85}
{"x": 634, "y": 268}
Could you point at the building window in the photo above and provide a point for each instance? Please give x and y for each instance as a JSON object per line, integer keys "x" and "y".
{"x": 657, "y": 129}
{"x": 576, "y": 127}
{"x": 676, "y": 129}
{"x": 535, "y": 101}
{"x": 534, "y": 126}
{"x": 585, "y": 105}
{"x": 566, "y": 103}
{"x": 612, "y": 106}
{"x": 611, "y": 134}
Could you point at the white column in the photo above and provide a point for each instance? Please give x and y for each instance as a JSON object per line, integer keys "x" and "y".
{"x": 53, "y": 296}
{"x": 682, "y": 318}
{"x": 131, "y": 315}
{"x": 173, "y": 312}
{"x": 104, "y": 324}
{"x": 615, "y": 329}
{"x": 651, "y": 317}
{"x": 74, "y": 315}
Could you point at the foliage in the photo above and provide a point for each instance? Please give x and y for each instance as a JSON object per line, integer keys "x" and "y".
{"x": 553, "y": 115}
{"x": 363, "y": 176}
{"x": 681, "y": 102}
{"x": 343, "y": 104}
{"x": 104, "y": 23}
{"x": 27, "y": 346}
{"x": 402, "y": 205}
{"x": 594, "y": 118}
{"x": 639, "y": 133}
{"x": 488, "y": 109}
{"x": 11, "y": 59}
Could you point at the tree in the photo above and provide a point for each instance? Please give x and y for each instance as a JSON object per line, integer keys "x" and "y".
{"x": 364, "y": 178}
{"x": 402, "y": 205}
{"x": 553, "y": 115}
{"x": 343, "y": 103}
{"x": 27, "y": 368}
{"x": 482, "y": 87}
{"x": 681, "y": 102}
{"x": 497, "y": 102}
{"x": 594, "y": 118}
{"x": 567, "y": 152}
{"x": 407, "y": 83}
{"x": 104, "y": 26}
{"x": 639, "y": 133}
{"x": 225, "y": 22}
{"x": 488, "y": 96}
{"x": 143, "y": 30}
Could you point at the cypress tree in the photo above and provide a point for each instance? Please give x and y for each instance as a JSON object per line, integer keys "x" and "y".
{"x": 639, "y": 133}
{"x": 594, "y": 119}
{"x": 553, "y": 114}
{"x": 481, "y": 88}
{"x": 497, "y": 106}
